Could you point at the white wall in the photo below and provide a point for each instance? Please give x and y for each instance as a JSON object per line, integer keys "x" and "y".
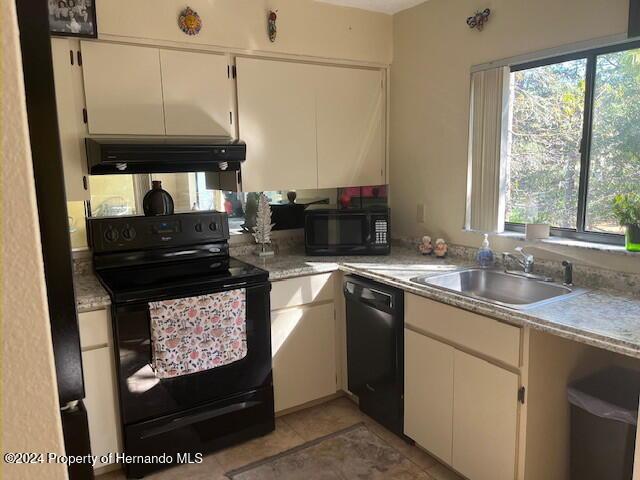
{"x": 305, "y": 27}
{"x": 30, "y": 417}
{"x": 434, "y": 50}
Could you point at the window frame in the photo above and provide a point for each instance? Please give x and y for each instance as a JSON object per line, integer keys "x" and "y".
{"x": 591, "y": 56}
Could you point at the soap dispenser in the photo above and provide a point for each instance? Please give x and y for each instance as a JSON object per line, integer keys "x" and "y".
{"x": 485, "y": 257}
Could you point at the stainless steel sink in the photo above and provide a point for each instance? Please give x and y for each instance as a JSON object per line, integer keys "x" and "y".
{"x": 500, "y": 288}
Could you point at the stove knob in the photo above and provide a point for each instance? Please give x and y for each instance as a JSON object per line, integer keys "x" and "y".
{"x": 111, "y": 235}
{"x": 129, "y": 233}
{"x": 198, "y": 227}
{"x": 213, "y": 226}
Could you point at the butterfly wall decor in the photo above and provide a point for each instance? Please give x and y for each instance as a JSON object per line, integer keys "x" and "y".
{"x": 479, "y": 19}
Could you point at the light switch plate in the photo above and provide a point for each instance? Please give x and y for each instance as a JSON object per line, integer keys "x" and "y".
{"x": 420, "y": 213}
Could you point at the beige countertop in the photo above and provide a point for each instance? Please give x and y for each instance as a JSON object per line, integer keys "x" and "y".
{"x": 602, "y": 318}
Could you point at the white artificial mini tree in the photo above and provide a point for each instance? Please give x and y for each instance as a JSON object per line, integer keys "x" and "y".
{"x": 262, "y": 230}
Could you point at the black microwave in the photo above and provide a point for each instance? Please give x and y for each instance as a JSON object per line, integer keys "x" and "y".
{"x": 329, "y": 231}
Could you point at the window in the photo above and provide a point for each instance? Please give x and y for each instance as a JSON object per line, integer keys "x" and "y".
{"x": 574, "y": 141}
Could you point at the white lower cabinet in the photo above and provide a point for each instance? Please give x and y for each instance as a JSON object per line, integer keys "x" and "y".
{"x": 459, "y": 406}
{"x": 100, "y": 401}
{"x": 304, "y": 356}
{"x": 428, "y": 396}
{"x": 485, "y": 423}
{"x": 303, "y": 340}
{"x": 99, "y": 383}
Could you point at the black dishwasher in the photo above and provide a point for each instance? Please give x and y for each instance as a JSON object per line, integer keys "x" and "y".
{"x": 375, "y": 349}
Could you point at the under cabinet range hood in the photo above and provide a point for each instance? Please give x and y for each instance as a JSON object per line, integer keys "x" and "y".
{"x": 122, "y": 155}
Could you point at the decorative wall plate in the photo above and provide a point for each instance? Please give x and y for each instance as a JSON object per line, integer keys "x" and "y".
{"x": 189, "y": 21}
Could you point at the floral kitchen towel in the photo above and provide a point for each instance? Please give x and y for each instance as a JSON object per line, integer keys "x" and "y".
{"x": 193, "y": 334}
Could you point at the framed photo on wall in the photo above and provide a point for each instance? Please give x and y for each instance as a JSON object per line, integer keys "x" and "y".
{"x": 73, "y": 18}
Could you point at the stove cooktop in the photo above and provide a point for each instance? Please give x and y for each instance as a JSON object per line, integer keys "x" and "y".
{"x": 178, "y": 279}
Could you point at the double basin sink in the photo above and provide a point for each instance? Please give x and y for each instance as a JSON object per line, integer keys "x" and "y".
{"x": 501, "y": 288}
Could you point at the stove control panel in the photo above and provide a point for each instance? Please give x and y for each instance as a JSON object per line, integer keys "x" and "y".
{"x": 115, "y": 234}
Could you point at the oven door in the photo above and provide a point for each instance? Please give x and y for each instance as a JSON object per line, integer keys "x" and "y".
{"x": 144, "y": 396}
{"x": 334, "y": 233}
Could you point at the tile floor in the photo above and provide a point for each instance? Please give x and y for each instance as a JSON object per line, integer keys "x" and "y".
{"x": 293, "y": 430}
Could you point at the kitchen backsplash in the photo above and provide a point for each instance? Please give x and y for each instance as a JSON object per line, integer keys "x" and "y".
{"x": 239, "y": 245}
{"x": 113, "y": 195}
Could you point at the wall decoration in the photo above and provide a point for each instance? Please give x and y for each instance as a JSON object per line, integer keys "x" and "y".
{"x": 73, "y": 18}
{"x": 271, "y": 25}
{"x": 479, "y": 19}
{"x": 262, "y": 230}
{"x": 189, "y": 21}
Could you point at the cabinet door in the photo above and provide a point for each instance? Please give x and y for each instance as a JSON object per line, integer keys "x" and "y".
{"x": 69, "y": 103}
{"x": 304, "y": 358}
{"x": 428, "y": 393}
{"x": 351, "y": 139}
{"x": 484, "y": 419}
{"x": 197, "y": 93}
{"x": 123, "y": 89}
{"x": 100, "y": 401}
{"x": 277, "y": 120}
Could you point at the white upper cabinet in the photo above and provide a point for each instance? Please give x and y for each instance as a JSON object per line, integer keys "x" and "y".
{"x": 350, "y": 114}
{"x": 306, "y": 126}
{"x": 67, "y": 76}
{"x": 197, "y": 93}
{"x": 277, "y": 120}
{"x": 310, "y": 126}
{"x": 123, "y": 89}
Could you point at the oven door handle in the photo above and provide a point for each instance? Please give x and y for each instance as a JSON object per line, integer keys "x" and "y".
{"x": 234, "y": 285}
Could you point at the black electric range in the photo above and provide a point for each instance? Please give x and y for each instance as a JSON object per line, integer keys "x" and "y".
{"x": 145, "y": 259}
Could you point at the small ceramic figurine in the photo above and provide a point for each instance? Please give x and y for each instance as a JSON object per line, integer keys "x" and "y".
{"x": 426, "y": 247}
{"x": 441, "y": 248}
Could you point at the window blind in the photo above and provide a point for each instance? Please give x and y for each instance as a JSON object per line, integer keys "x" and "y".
{"x": 488, "y": 145}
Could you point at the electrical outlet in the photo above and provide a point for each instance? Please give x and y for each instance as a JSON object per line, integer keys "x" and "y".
{"x": 420, "y": 213}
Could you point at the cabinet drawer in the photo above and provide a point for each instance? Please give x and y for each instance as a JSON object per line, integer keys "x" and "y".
{"x": 483, "y": 335}
{"x": 302, "y": 290}
{"x": 94, "y": 329}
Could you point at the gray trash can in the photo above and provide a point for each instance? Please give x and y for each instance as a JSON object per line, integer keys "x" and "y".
{"x": 604, "y": 416}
